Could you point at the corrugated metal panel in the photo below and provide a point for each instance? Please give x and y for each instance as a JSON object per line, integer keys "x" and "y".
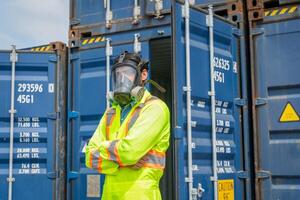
{"x": 277, "y": 123}
{"x": 39, "y": 126}
{"x": 229, "y": 138}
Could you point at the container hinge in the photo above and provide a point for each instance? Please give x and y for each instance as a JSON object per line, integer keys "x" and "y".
{"x": 53, "y": 58}
{"x": 263, "y": 174}
{"x": 243, "y": 174}
{"x": 260, "y": 101}
{"x": 257, "y": 31}
{"x": 237, "y": 32}
{"x": 240, "y": 102}
{"x": 178, "y": 133}
{"x": 53, "y": 175}
{"x": 74, "y": 57}
{"x": 74, "y": 22}
{"x": 73, "y": 114}
{"x": 72, "y": 175}
{"x": 53, "y": 116}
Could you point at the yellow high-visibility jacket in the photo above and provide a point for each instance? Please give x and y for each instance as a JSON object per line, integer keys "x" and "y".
{"x": 115, "y": 147}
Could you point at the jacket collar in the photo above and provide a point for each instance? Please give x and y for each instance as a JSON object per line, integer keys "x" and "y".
{"x": 133, "y": 102}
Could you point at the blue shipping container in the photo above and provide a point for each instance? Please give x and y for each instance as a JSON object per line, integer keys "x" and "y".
{"x": 164, "y": 45}
{"x": 38, "y": 125}
{"x": 93, "y": 12}
{"x": 276, "y": 89}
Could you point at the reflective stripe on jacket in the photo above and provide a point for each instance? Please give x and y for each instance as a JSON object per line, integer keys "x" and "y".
{"x": 115, "y": 148}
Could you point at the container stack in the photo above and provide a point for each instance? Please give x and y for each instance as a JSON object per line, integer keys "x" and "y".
{"x": 230, "y": 70}
{"x": 274, "y": 28}
{"x": 101, "y": 30}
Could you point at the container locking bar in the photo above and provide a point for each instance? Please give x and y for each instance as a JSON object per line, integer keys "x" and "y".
{"x": 212, "y": 93}
{"x": 187, "y": 89}
{"x": 137, "y": 46}
{"x": 108, "y": 52}
{"x": 136, "y": 12}
{"x": 108, "y": 14}
{"x": 12, "y": 111}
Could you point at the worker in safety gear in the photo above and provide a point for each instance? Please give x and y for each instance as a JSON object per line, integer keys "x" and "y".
{"x": 132, "y": 137}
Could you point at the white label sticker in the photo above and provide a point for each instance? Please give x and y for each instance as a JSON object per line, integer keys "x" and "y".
{"x": 234, "y": 69}
{"x": 93, "y": 186}
{"x": 51, "y": 88}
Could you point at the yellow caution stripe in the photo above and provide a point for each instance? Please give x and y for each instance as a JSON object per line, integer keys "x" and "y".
{"x": 93, "y": 40}
{"x": 41, "y": 48}
{"x": 281, "y": 11}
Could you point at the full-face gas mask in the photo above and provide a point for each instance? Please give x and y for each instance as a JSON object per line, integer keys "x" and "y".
{"x": 126, "y": 78}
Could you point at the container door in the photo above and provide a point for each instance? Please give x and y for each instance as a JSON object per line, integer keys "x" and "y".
{"x": 35, "y": 128}
{"x": 94, "y": 11}
{"x": 87, "y": 104}
{"x": 277, "y": 89}
{"x": 229, "y": 138}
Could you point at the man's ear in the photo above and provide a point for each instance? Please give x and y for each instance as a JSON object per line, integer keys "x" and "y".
{"x": 144, "y": 75}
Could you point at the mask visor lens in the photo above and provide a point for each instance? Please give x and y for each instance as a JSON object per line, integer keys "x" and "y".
{"x": 123, "y": 79}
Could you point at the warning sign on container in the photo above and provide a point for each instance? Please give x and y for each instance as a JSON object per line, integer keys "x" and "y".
{"x": 289, "y": 114}
{"x": 226, "y": 189}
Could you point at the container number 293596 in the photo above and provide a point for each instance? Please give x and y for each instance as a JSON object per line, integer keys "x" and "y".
{"x": 29, "y": 89}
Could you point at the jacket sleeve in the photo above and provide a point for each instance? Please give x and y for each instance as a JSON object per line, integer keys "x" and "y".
{"x": 93, "y": 159}
{"x": 151, "y": 125}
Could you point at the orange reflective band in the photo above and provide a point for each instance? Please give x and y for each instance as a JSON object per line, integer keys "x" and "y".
{"x": 129, "y": 120}
{"x": 135, "y": 114}
{"x": 112, "y": 119}
{"x": 109, "y": 121}
{"x": 155, "y": 166}
{"x": 91, "y": 160}
{"x": 117, "y": 156}
{"x": 96, "y": 160}
{"x": 108, "y": 153}
{"x": 99, "y": 164}
{"x": 157, "y": 153}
